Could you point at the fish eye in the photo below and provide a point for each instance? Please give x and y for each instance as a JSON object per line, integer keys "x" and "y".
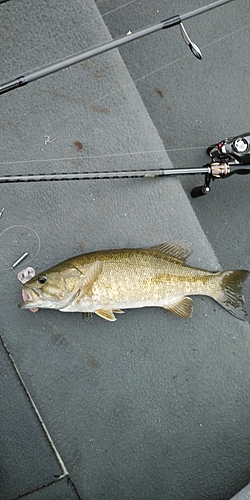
{"x": 42, "y": 280}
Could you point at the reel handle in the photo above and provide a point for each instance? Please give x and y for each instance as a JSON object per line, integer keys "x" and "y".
{"x": 200, "y": 191}
{"x": 219, "y": 171}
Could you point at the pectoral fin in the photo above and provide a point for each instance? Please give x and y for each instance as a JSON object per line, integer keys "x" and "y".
{"x": 91, "y": 275}
{"x": 182, "y": 308}
{"x": 106, "y": 314}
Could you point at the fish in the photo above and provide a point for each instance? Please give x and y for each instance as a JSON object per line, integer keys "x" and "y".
{"x": 106, "y": 282}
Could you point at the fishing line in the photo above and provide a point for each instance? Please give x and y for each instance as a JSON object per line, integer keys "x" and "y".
{"x": 114, "y": 43}
{"x": 68, "y": 115}
{"x": 91, "y": 157}
{"x": 83, "y": 25}
{"x": 24, "y": 240}
{"x": 213, "y": 170}
{"x": 115, "y": 92}
{"x": 113, "y": 10}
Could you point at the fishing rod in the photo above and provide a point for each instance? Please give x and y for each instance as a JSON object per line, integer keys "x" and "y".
{"x": 229, "y": 156}
{"x": 70, "y": 61}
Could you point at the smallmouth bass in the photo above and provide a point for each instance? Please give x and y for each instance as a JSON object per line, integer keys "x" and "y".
{"x": 106, "y": 282}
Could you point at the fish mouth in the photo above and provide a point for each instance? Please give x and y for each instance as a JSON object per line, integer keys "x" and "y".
{"x": 34, "y": 299}
{"x": 31, "y": 300}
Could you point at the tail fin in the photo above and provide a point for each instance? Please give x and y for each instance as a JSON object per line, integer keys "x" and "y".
{"x": 230, "y": 296}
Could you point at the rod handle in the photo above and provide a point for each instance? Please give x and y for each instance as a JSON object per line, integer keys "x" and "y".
{"x": 239, "y": 169}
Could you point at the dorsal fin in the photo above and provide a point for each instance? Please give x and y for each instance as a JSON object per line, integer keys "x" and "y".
{"x": 178, "y": 249}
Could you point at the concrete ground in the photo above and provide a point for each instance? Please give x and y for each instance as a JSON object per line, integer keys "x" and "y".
{"x": 151, "y": 406}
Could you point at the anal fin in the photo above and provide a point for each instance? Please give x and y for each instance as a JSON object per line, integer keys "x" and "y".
{"x": 106, "y": 314}
{"x": 182, "y": 308}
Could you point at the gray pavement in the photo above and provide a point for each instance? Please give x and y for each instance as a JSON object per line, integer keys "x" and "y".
{"x": 152, "y": 406}
{"x": 244, "y": 494}
{"x": 20, "y": 432}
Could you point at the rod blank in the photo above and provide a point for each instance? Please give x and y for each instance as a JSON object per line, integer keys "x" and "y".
{"x": 103, "y": 175}
{"x": 70, "y": 61}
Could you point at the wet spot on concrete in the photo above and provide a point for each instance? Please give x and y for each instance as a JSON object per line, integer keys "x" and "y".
{"x": 81, "y": 246}
{"x": 79, "y": 145}
{"x": 99, "y": 73}
{"x": 57, "y": 336}
{"x": 85, "y": 64}
{"x": 92, "y": 361}
{"x": 159, "y": 92}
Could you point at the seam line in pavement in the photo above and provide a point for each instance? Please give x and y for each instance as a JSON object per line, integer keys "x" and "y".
{"x": 37, "y": 489}
{"x": 32, "y": 402}
{"x": 19, "y": 497}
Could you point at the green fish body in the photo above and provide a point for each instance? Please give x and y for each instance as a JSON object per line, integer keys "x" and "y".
{"x": 106, "y": 282}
